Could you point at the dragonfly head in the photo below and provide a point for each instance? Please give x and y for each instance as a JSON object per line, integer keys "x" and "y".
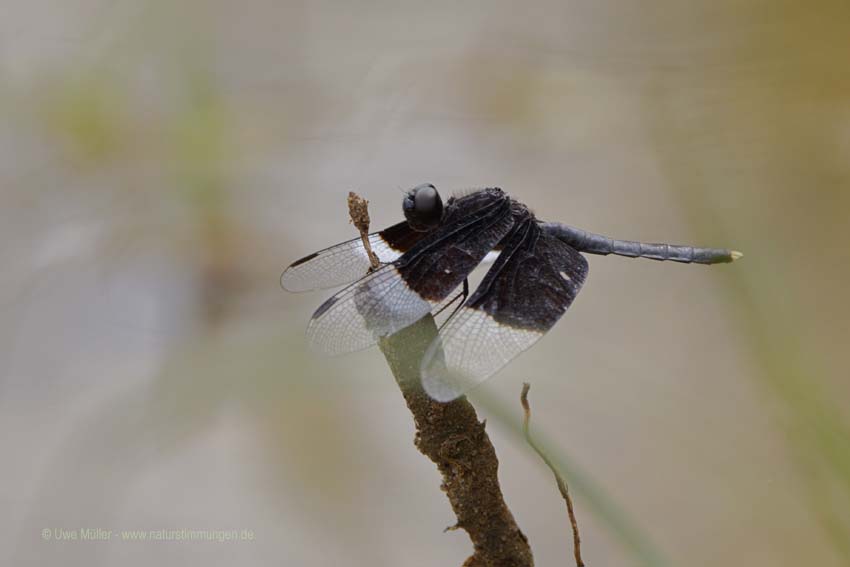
{"x": 423, "y": 207}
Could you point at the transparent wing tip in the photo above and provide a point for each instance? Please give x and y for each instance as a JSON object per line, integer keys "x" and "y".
{"x": 321, "y": 342}
{"x": 440, "y": 389}
{"x": 283, "y": 281}
{"x": 440, "y": 382}
{"x": 290, "y": 282}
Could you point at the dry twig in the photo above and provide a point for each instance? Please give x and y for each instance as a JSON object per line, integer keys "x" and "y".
{"x": 358, "y": 212}
{"x": 452, "y": 437}
{"x": 562, "y": 484}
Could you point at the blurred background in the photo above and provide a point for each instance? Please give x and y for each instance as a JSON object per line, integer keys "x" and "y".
{"x": 161, "y": 163}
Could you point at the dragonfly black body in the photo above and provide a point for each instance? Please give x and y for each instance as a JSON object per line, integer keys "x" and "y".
{"x": 537, "y": 272}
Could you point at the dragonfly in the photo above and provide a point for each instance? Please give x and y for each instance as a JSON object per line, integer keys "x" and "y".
{"x": 425, "y": 260}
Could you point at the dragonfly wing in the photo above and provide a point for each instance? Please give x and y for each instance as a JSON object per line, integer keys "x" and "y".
{"x": 399, "y": 294}
{"x": 348, "y": 262}
{"x": 529, "y": 288}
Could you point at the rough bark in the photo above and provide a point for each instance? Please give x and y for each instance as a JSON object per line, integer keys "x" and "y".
{"x": 452, "y": 437}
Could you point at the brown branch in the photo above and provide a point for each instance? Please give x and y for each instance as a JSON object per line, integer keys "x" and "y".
{"x": 452, "y": 437}
{"x": 562, "y": 484}
{"x": 358, "y": 212}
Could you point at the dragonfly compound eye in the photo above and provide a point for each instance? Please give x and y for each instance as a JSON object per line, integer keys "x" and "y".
{"x": 423, "y": 207}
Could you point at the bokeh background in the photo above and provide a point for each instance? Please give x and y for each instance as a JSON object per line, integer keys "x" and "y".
{"x": 161, "y": 163}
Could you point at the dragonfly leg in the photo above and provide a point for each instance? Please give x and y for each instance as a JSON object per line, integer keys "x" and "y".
{"x": 464, "y": 293}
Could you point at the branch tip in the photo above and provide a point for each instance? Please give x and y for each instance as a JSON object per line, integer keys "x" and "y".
{"x": 358, "y": 212}
{"x": 559, "y": 480}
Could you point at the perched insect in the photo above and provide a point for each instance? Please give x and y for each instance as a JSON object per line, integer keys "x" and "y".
{"x": 425, "y": 260}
